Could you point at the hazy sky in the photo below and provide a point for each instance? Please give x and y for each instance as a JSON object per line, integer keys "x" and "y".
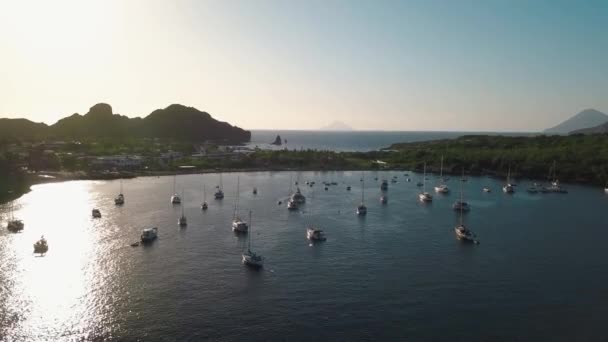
{"x": 389, "y": 65}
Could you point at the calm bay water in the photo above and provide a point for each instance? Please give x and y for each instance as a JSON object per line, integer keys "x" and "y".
{"x": 352, "y": 140}
{"x": 399, "y": 273}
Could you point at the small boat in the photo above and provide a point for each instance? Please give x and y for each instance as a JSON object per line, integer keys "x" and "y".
{"x": 175, "y": 199}
{"x": 334, "y": 183}
{"x": 406, "y": 174}
{"x": 315, "y": 234}
{"x": 238, "y": 225}
{"x": 120, "y": 199}
{"x": 606, "y": 189}
{"x": 96, "y": 213}
{"x": 182, "y": 221}
{"x": 393, "y": 180}
{"x": 41, "y": 246}
{"x": 149, "y": 234}
{"x": 409, "y": 180}
{"x": 533, "y": 189}
{"x": 298, "y": 197}
{"x": 424, "y": 196}
{"x": 486, "y": 189}
{"x": 326, "y": 188}
{"x": 419, "y": 184}
{"x": 508, "y": 188}
{"x": 555, "y": 185}
{"x": 384, "y": 185}
{"x": 13, "y": 224}
{"x": 249, "y": 257}
{"x": 255, "y": 191}
{"x": 362, "y": 209}
{"x": 384, "y": 199}
{"x": 348, "y": 188}
{"x": 204, "y": 205}
{"x": 219, "y": 193}
{"x": 292, "y": 205}
{"x": 441, "y": 188}
{"x": 460, "y": 205}
{"x": 464, "y": 234}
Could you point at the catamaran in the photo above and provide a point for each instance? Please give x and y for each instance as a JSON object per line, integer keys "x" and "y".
{"x": 424, "y": 196}
{"x": 441, "y": 188}
{"x": 249, "y": 257}
{"x": 362, "y": 209}
{"x": 238, "y": 225}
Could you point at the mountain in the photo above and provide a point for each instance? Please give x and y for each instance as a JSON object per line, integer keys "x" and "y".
{"x": 176, "y": 122}
{"x": 599, "y": 129}
{"x": 585, "y": 119}
{"x": 337, "y": 126}
{"x": 21, "y": 129}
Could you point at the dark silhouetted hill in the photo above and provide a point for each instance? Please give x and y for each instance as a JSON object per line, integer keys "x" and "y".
{"x": 176, "y": 122}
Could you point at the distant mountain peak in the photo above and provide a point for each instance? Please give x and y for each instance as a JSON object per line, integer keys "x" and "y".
{"x": 337, "y": 126}
{"x": 585, "y": 119}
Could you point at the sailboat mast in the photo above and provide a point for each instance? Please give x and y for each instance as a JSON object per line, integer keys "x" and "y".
{"x": 362, "y": 187}
{"x": 174, "y": 183}
{"x": 424, "y": 179}
{"x": 183, "y": 199}
{"x": 461, "y": 195}
{"x": 441, "y": 169}
{"x": 250, "y": 233}
{"x": 236, "y": 202}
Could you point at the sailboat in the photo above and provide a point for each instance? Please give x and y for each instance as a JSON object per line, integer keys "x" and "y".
{"x": 508, "y": 188}
{"x": 441, "y": 187}
{"x": 175, "y": 199}
{"x": 182, "y": 222}
{"x": 313, "y": 233}
{"x": 292, "y": 204}
{"x": 555, "y": 185}
{"x": 238, "y": 225}
{"x": 462, "y": 232}
{"x": 461, "y": 205}
{"x": 120, "y": 199}
{"x": 362, "y": 209}
{"x": 204, "y": 206}
{"x": 250, "y": 258}
{"x": 14, "y": 225}
{"x": 219, "y": 194}
{"x": 424, "y": 196}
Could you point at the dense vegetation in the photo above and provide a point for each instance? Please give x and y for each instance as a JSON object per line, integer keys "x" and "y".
{"x": 176, "y": 122}
{"x": 581, "y": 158}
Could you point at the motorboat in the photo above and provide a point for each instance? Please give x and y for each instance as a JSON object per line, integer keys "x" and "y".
{"x": 425, "y": 197}
{"x": 464, "y": 234}
{"x": 315, "y": 234}
{"x": 249, "y": 257}
{"x": 96, "y": 213}
{"x": 41, "y": 246}
{"x": 486, "y": 189}
{"x": 298, "y": 197}
{"x": 255, "y": 191}
{"x": 361, "y": 210}
{"x": 348, "y": 188}
{"x": 15, "y": 225}
{"x": 384, "y": 185}
{"x": 149, "y": 234}
{"x": 461, "y": 205}
{"x": 409, "y": 180}
{"x": 383, "y": 199}
{"x": 442, "y": 189}
{"x": 292, "y": 205}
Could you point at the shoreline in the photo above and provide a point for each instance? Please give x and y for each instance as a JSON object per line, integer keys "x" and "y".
{"x": 43, "y": 177}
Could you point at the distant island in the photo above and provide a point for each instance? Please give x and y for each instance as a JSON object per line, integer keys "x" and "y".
{"x": 176, "y": 122}
{"x": 585, "y": 119}
{"x": 277, "y": 141}
{"x": 337, "y": 126}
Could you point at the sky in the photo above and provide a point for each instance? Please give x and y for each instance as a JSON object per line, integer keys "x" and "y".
{"x": 485, "y": 65}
